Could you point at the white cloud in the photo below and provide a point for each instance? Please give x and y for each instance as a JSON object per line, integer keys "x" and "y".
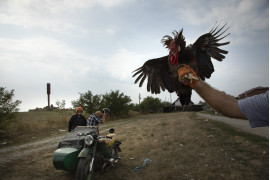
{"x": 121, "y": 64}
{"x": 118, "y": 37}
{"x": 110, "y": 31}
{"x": 55, "y": 57}
{"x": 41, "y": 56}
{"x": 245, "y": 17}
{"x": 58, "y": 16}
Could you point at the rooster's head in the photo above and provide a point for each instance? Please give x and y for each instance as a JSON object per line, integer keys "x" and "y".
{"x": 175, "y": 45}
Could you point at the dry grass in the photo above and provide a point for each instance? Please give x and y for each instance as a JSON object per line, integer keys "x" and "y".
{"x": 181, "y": 145}
{"x": 36, "y": 124}
{"x": 37, "y": 120}
{"x": 39, "y": 124}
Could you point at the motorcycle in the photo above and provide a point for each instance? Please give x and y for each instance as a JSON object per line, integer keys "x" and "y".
{"x": 85, "y": 151}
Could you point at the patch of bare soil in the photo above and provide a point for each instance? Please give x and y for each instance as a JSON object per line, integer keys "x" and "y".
{"x": 181, "y": 145}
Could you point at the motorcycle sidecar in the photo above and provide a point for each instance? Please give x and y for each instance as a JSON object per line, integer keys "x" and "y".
{"x": 66, "y": 156}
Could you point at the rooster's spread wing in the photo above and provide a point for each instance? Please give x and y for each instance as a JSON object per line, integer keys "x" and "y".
{"x": 207, "y": 47}
{"x": 157, "y": 73}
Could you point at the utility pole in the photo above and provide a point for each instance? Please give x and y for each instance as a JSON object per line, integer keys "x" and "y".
{"x": 140, "y": 101}
{"x": 48, "y": 93}
{"x": 171, "y": 97}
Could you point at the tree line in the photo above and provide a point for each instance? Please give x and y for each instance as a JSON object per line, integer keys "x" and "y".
{"x": 119, "y": 103}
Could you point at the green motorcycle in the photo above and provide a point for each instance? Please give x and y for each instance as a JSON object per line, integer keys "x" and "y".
{"x": 85, "y": 151}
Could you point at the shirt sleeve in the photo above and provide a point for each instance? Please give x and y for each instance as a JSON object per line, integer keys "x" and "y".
{"x": 93, "y": 120}
{"x": 256, "y": 109}
{"x": 88, "y": 121}
{"x": 98, "y": 119}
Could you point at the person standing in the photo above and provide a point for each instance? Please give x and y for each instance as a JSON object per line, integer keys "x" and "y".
{"x": 77, "y": 120}
{"x": 97, "y": 117}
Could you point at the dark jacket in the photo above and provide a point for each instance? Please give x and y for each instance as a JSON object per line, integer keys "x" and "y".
{"x": 75, "y": 121}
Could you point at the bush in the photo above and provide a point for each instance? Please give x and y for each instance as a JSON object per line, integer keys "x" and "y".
{"x": 89, "y": 102}
{"x": 8, "y": 107}
{"x": 117, "y": 102}
{"x": 149, "y": 104}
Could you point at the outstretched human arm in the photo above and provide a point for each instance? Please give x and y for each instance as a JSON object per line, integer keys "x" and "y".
{"x": 218, "y": 100}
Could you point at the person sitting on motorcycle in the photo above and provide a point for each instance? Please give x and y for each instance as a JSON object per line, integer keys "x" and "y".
{"x": 97, "y": 117}
{"x": 77, "y": 120}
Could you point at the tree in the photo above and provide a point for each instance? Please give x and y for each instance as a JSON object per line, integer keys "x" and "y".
{"x": 134, "y": 107}
{"x": 7, "y": 105}
{"x": 61, "y": 105}
{"x": 117, "y": 102}
{"x": 89, "y": 102}
{"x": 149, "y": 103}
{"x": 166, "y": 103}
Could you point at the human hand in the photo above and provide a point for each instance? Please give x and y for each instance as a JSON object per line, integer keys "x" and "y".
{"x": 188, "y": 76}
{"x": 106, "y": 111}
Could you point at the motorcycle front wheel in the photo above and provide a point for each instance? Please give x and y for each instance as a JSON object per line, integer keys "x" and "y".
{"x": 83, "y": 169}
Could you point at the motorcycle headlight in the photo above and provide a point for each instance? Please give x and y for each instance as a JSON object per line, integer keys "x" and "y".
{"x": 88, "y": 140}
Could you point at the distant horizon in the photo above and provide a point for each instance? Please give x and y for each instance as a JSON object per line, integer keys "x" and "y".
{"x": 55, "y": 106}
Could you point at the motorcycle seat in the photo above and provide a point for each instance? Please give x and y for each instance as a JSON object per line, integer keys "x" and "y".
{"x": 110, "y": 139}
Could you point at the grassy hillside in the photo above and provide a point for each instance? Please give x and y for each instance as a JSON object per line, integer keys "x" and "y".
{"x": 39, "y": 124}
{"x": 34, "y": 124}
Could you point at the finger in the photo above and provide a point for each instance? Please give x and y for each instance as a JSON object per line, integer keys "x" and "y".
{"x": 187, "y": 76}
{"x": 195, "y": 78}
{"x": 192, "y": 76}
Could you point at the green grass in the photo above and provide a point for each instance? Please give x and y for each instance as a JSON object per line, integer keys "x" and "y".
{"x": 248, "y": 149}
{"x": 227, "y": 129}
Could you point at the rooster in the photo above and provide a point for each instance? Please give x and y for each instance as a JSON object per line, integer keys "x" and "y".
{"x": 162, "y": 73}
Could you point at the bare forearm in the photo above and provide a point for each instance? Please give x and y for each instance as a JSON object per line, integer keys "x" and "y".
{"x": 218, "y": 100}
{"x": 103, "y": 119}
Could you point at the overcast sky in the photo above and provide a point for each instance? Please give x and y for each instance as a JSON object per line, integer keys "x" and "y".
{"x": 81, "y": 45}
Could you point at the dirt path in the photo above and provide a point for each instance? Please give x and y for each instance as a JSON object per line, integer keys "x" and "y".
{"x": 10, "y": 154}
{"x": 239, "y": 123}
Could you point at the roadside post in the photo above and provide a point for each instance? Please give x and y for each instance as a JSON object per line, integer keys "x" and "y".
{"x": 48, "y": 93}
